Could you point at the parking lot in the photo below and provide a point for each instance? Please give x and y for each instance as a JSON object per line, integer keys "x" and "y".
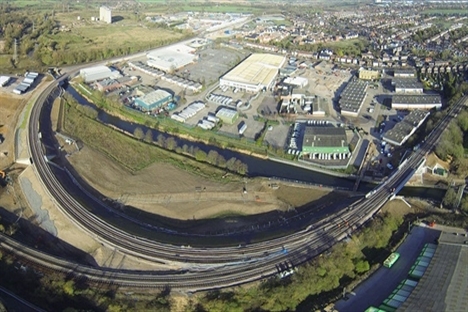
{"x": 212, "y": 64}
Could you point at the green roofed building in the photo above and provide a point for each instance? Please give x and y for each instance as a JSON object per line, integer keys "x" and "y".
{"x": 327, "y": 143}
{"x": 153, "y": 100}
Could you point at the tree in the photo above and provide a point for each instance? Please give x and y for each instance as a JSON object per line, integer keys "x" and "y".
{"x": 171, "y": 143}
{"x": 149, "y": 136}
{"x": 450, "y": 198}
{"x": 161, "y": 140}
{"x": 362, "y": 266}
{"x": 138, "y": 133}
{"x": 212, "y": 157}
{"x": 200, "y": 155}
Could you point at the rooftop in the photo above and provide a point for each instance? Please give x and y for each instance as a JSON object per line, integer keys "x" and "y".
{"x": 444, "y": 286}
{"x": 417, "y": 99}
{"x": 324, "y": 137}
{"x": 257, "y": 69}
{"x": 155, "y": 96}
{"x": 407, "y": 83}
{"x": 353, "y": 96}
{"x": 405, "y": 128}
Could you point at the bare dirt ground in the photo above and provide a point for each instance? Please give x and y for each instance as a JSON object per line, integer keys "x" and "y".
{"x": 11, "y": 106}
{"x": 169, "y": 191}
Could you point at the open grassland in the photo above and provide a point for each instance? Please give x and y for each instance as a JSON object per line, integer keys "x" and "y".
{"x": 446, "y": 11}
{"x": 128, "y": 152}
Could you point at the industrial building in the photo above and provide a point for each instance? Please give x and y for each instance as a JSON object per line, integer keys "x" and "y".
{"x": 112, "y": 84}
{"x": 298, "y": 82}
{"x": 227, "y": 115}
{"x": 171, "y": 58}
{"x": 4, "y": 80}
{"x": 325, "y": 142}
{"x": 443, "y": 286}
{"x": 404, "y": 72}
{"x": 411, "y": 102}
{"x": 352, "y": 98}
{"x": 96, "y": 73}
{"x": 366, "y": 74}
{"x": 407, "y": 85}
{"x": 153, "y": 100}
{"x": 105, "y": 14}
{"x": 404, "y": 129}
{"x": 254, "y": 74}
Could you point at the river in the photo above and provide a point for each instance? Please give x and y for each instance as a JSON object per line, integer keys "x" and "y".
{"x": 259, "y": 167}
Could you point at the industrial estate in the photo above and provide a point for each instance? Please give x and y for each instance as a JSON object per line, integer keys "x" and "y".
{"x": 264, "y": 158}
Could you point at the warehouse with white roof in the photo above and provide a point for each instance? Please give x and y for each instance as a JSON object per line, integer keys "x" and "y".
{"x": 96, "y": 73}
{"x": 171, "y": 58}
{"x": 254, "y": 74}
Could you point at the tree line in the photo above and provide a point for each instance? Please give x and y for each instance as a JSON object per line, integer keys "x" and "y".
{"x": 212, "y": 157}
{"x": 313, "y": 284}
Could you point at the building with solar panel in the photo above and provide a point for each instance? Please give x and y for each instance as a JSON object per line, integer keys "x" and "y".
{"x": 352, "y": 98}
{"x": 256, "y": 73}
{"x": 411, "y": 102}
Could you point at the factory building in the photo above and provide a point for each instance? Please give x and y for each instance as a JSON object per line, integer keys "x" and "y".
{"x": 411, "y": 102}
{"x": 325, "y": 143}
{"x": 105, "y": 14}
{"x": 365, "y": 74}
{"x": 254, "y": 74}
{"x": 403, "y": 130}
{"x": 153, "y": 100}
{"x": 96, "y": 73}
{"x": 227, "y": 115}
{"x": 352, "y": 98}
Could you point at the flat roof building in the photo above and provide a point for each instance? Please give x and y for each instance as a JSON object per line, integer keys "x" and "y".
{"x": 4, "y": 80}
{"x": 404, "y": 129}
{"x": 407, "y": 85}
{"x": 366, "y": 74}
{"x": 404, "y": 72}
{"x": 299, "y": 82}
{"x": 171, "y": 58}
{"x": 255, "y": 73}
{"x": 320, "y": 141}
{"x": 444, "y": 285}
{"x": 352, "y": 98}
{"x": 153, "y": 100}
{"x": 410, "y": 102}
{"x": 227, "y": 115}
{"x": 96, "y": 73}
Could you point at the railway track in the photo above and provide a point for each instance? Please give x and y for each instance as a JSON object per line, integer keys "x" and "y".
{"x": 210, "y": 267}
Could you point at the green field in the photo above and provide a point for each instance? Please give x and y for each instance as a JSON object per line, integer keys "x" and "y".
{"x": 447, "y": 11}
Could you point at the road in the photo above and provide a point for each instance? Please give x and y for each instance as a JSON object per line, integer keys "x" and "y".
{"x": 211, "y": 267}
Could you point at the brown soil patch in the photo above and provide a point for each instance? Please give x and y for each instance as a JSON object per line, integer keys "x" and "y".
{"x": 398, "y": 207}
{"x": 11, "y": 106}
{"x": 172, "y": 192}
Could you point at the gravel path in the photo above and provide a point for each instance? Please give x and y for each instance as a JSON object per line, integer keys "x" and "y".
{"x": 35, "y": 202}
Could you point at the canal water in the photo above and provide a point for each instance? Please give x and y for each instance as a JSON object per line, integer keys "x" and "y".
{"x": 258, "y": 167}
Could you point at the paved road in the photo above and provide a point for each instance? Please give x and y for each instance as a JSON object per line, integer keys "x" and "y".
{"x": 14, "y": 303}
{"x": 381, "y": 284}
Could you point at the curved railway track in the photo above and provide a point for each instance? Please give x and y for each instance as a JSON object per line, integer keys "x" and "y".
{"x": 211, "y": 267}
